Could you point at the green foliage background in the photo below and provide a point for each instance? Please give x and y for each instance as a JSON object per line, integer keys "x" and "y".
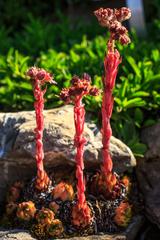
{"x": 66, "y": 48}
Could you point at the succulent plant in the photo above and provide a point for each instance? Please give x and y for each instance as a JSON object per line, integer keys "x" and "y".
{"x": 98, "y": 186}
{"x": 123, "y": 214}
{"x": 14, "y": 192}
{"x": 81, "y": 215}
{"x": 11, "y": 208}
{"x": 45, "y": 216}
{"x": 55, "y": 229}
{"x": 127, "y": 183}
{"x": 26, "y": 211}
{"x": 54, "y": 207}
{"x": 63, "y": 191}
{"x": 39, "y": 78}
{"x": 39, "y": 231}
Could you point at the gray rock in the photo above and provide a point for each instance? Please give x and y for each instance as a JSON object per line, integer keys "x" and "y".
{"x": 15, "y": 234}
{"x": 151, "y": 137}
{"x": 17, "y": 144}
{"x": 19, "y": 235}
{"x": 129, "y": 234}
{"x": 17, "y": 139}
{"x": 148, "y": 172}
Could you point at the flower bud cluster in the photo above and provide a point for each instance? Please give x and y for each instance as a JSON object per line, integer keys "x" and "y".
{"x": 112, "y": 19}
{"x": 80, "y": 87}
{"x": 40, "y": 74}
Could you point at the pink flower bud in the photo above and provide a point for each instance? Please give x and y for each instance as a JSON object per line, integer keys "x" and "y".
{"x": 94, "y": 91}
{"x": 64, "y": 95}
{"x": 122, "y": 14}
{"x": 105, "y": 16}
{"x": 75, "y": 80}
{"x": 86, "y": 76}
{"x": 124, "y": 39}
{"x": 115, "y": 26}
{"x": 41, "y": 74}
{"x": 32, "y": 72}
{"x": 122, "y": 30}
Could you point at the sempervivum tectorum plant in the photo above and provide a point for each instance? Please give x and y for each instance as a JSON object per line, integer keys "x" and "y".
{"x": 14, "y": 192}
{"x": 39, "y": 231}
{"x": 39, "y": 79}
{"x": 80, "y": 87}
{"x": 63, "y": 191}
{"x": 126, "y": 182}
{"x": 55, "y": 229}
{"x": 54, "y": 206}
{"x": 11, "y": 208}
{"x": 123, "y": 214}
{"x": 82, "y": 216}
{"x": 26, "y": 211}
{"x": 45, "y": 216}
{"x": 111, "y": 19}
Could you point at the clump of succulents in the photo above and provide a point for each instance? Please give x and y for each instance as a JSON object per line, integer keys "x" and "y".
{"x": 56, "y": 210}
{"x": 47, "y": 225}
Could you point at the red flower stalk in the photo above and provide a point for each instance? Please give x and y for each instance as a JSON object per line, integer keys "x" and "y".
{"x": 39, "y": 78}
{"x": 112, "y": 19}
{"x": 80, "y": 88}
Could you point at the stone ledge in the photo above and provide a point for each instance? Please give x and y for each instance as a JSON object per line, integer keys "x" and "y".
{"x": 130, "y": 233}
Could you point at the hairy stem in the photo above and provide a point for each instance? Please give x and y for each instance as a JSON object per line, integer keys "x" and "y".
{"x": 111, "y": 62}
{"x": 79, "y": 141}
{"x": 39, "y": 106}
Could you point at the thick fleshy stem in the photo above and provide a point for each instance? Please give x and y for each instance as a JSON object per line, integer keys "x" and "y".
{"x": 111, "y": 62}
{"x": 42, "y": 180}
{"x": 79, "y": 141}
{"x": 39, "y": 78}
{"x": 39, "y": 107}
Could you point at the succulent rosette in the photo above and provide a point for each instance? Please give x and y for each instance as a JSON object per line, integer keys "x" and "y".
{"x": 45, "y": 216}
{"x": 26, "y": 210}
{"x": 63, "y": 191}
{"x": 123, "y": 214}
{"x": 55, "y": 229}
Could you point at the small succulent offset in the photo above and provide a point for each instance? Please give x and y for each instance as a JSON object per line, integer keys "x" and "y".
{"x": 80, "y": 87}
{"x": 45, "y": 216}
{"x": 123, "y": 214}
{"x": 14, "y": 192}
{"x": 26, "y": 211}
{"x": 55, "y": 229}
{"x": 111, "y": 19}
{"x": 39, "y": 78}
{"x": 63, "y": 191}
